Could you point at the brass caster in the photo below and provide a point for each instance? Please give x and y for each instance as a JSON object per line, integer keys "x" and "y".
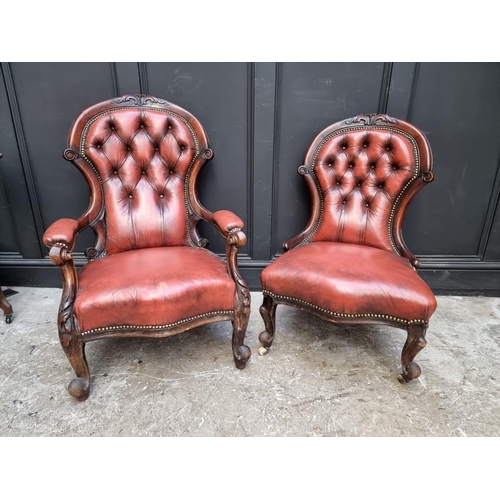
{"x": 266, "y": 339}
{"x": 263, "y": 351}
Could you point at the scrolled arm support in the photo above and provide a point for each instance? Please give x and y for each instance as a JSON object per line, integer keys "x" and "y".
{"x": 231, "y": 227}
{"x": 63, "y": 258}
{"x": 236, "y": 240}
{"x": 67, "y": 325}
{"x": 60, "y": 255}
{"x": 60, "y": 238}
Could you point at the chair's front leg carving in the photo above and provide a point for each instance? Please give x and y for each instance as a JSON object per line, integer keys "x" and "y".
{"x": 241, "y": 352}
{"x": 71, "y": 341}
{"x": 268, "y": 312}
{"x": 415, "y": 342}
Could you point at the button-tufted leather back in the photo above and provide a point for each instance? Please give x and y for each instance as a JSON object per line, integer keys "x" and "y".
{"x": 142, "y": 157}
{"x": 142, "y": 152}
{"x": 363, "y": 167}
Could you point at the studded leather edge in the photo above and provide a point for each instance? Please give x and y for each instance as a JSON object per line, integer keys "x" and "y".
{"x": 342, "y": 315}
{"x": 187, "y": 204}
{"x": 156, "y": 327}
{"x": 396, "y": 201}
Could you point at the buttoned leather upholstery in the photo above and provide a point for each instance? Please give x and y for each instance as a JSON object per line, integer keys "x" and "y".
{"x": 361, "y": 174}
{"x": 142, "y": 159}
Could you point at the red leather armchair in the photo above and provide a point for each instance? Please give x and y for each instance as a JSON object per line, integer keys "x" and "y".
{"x": 350, "y": 264}
{"x": 149, "y": 274}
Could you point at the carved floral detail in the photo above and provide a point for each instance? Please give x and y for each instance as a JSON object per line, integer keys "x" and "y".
{"x": 243, "y": 291}
{"x": 141, "y": 100}
{"x": 370, "y": 119}
{"x": 66, "y": 339}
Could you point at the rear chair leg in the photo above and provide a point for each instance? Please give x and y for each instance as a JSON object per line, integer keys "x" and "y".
{"x": 415, "y": 342}
{"x": 268, "y": 312}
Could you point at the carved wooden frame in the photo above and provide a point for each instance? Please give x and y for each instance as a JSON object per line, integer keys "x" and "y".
{"x": 416, "y": 329}
{"x": 60, "y": 253}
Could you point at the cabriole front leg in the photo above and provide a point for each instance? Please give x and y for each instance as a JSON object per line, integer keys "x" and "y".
{"x": 241, "y": 352}
{"x": 71, "y": 341}
{"x": 268, "y": 312}
{"x": 415, "y": 342}
{"x": 74, "y": 348}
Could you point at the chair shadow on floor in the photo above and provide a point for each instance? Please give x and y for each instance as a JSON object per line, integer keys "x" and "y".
{"x": 381, "y": 343}
{"x": 171, "y": 357}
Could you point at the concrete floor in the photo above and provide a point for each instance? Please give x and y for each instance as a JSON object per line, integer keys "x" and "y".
{"x": 318, "y": 379}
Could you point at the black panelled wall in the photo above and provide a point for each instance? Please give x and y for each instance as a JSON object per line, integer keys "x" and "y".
{"x": 260, "y": 118}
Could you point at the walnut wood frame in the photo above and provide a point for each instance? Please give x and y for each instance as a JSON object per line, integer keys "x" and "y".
{"x": 60, "y": 253}
{"x": 416, "y": 330}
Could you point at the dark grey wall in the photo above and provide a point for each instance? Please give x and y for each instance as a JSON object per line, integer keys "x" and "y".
{"x": 260, "y": 118}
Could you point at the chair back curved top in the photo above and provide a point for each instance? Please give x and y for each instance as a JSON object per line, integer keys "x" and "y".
{"x": 140, "y": 156}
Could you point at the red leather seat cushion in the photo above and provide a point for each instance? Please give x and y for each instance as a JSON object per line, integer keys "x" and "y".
{"x": 152, "y": 286}
{"x": 351, "y": 279}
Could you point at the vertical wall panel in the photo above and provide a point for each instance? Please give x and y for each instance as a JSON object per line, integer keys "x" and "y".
{"x": 456, "y": 105}
{"x": 313, "y": 95}
{"x": 17, "y": 227}
{"x": 263, "y": 158}
{"x": 9, "y": 241}
{"x": 493, "y": 242}
{"x": 400, "y": 89}
{"x": 218, "y": 95}
{"x": 50, "y": 96}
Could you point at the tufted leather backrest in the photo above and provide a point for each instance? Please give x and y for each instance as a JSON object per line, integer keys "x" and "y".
{"x": 142, "y": 151}
{"x": 364, "y": 168}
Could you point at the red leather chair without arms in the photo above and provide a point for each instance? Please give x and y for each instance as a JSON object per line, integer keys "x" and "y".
{"x": 350, "y": 264}
{"x": 148, "y": 274}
